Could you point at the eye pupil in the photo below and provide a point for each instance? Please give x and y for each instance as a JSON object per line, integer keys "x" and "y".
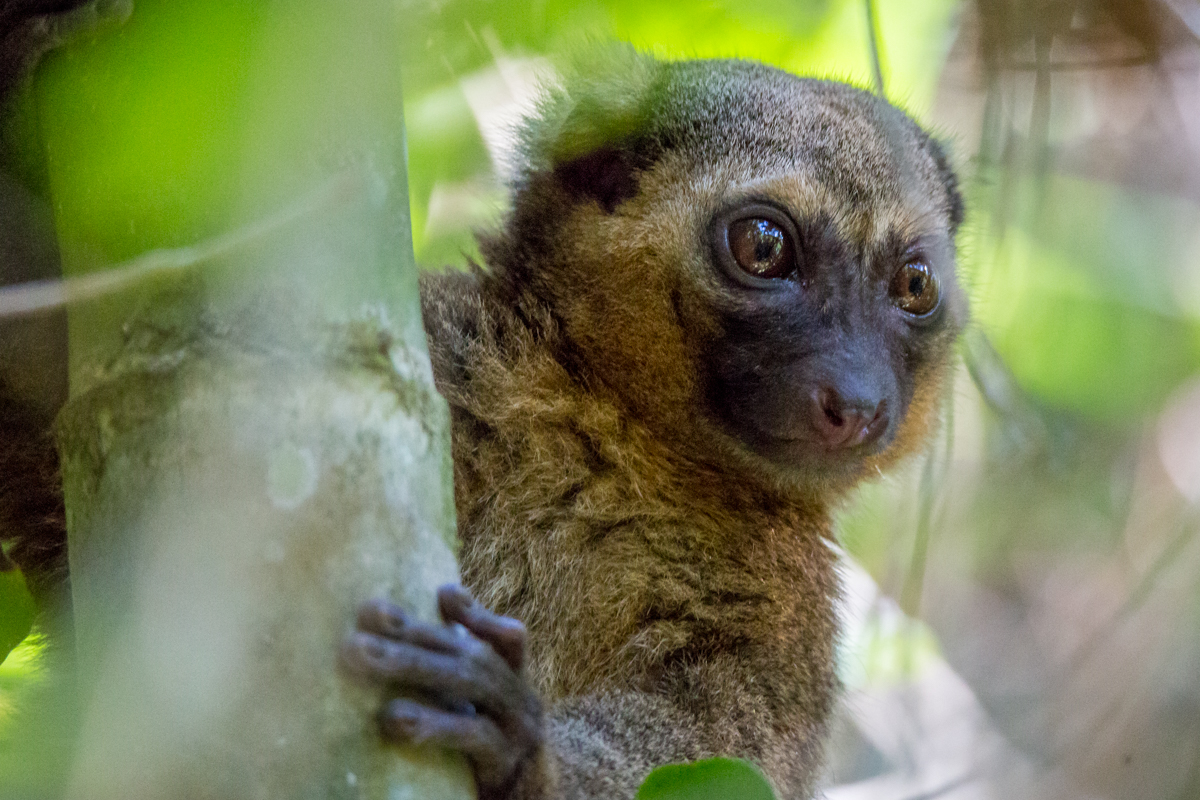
{"x": 914, "y": 289}
{"x": 761, "y": 248}
{"x": 766, "y": 249}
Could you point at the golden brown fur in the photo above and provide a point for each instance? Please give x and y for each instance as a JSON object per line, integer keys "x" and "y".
{"x": 678, "y": 588}
{"x": 638, "y": 571}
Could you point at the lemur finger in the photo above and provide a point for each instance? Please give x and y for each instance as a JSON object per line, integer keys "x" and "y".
{"x": 380, "y": 616}
{"x": 506, "y": 635}
{"x": 491, "y": 753}
{"x": 467, "y": 676}
{"x": 386, "y": 619}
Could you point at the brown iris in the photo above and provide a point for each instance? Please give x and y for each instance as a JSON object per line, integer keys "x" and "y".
{"x": 914, "y": 289}
{"x": 761, "y": 248}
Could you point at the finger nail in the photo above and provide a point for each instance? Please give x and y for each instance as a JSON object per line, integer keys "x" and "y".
{"x": 453, "y": 601}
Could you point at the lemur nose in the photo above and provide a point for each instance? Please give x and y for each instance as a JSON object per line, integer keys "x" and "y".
{"x": 845, "y": 422}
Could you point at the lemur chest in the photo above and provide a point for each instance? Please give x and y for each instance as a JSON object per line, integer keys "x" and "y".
{"x": 614, "y": 583}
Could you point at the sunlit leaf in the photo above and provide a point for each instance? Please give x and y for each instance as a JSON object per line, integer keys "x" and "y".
{"x": 712, "y": 779}
{"x": 16, "y": 611}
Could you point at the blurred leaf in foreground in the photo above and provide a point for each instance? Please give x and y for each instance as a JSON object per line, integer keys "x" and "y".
{"x": 712, "y": 779}
{"x": 16, "y": 608}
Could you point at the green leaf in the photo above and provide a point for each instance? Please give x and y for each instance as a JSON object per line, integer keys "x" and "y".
{"x": 713, "y": 779}
{"x": 16, "y": 609}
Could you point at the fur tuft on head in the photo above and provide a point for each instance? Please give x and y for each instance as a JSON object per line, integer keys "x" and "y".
{"x": 604, "y": 98}
{"x": 588, "y": 131}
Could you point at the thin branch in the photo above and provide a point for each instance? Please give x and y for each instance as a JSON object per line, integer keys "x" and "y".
{"x": 47, "y": 295}
{"x": 873, "y": 38}
{"x": 931, "y": 478}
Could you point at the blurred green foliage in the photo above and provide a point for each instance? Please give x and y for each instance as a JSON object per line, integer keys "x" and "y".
{"x": 16, "y": 611}
{"x": 19, "y": 671}
{"x": 145, "y": 173}
{"x": 37, "y": 722}
{"x": 1078, "y": 298}
{"x": 711, "y": 779}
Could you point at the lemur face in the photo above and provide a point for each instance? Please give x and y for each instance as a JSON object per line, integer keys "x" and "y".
{"x": 835, "y": 298}
{"x": 830, "y": 322}
{"x": 768, "y": 265}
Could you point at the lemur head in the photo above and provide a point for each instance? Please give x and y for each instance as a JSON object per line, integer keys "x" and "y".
{"x": 759, "y": 266}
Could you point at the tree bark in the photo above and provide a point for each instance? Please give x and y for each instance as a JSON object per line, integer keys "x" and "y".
{"x": 253, "y": 444}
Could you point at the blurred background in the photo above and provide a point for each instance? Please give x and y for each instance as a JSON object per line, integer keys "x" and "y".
{"x": 1023, "y": 600}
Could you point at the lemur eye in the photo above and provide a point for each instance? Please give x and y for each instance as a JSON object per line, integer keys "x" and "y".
{"x": 914, "y": 289}
{"x": 756, "y": 244}
{"x": 761, "y": 248}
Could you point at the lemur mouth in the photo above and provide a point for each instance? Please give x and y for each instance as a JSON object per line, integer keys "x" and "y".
{"x": 833, "y": 431}
{"x": 807, "y": 449}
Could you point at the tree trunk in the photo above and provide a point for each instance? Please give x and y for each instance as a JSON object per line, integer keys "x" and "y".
{"x": 253, "y": 444}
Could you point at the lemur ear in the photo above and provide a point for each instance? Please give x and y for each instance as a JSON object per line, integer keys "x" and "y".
{"x": 607, "y": 175}
{"x": 593, "y": 139}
